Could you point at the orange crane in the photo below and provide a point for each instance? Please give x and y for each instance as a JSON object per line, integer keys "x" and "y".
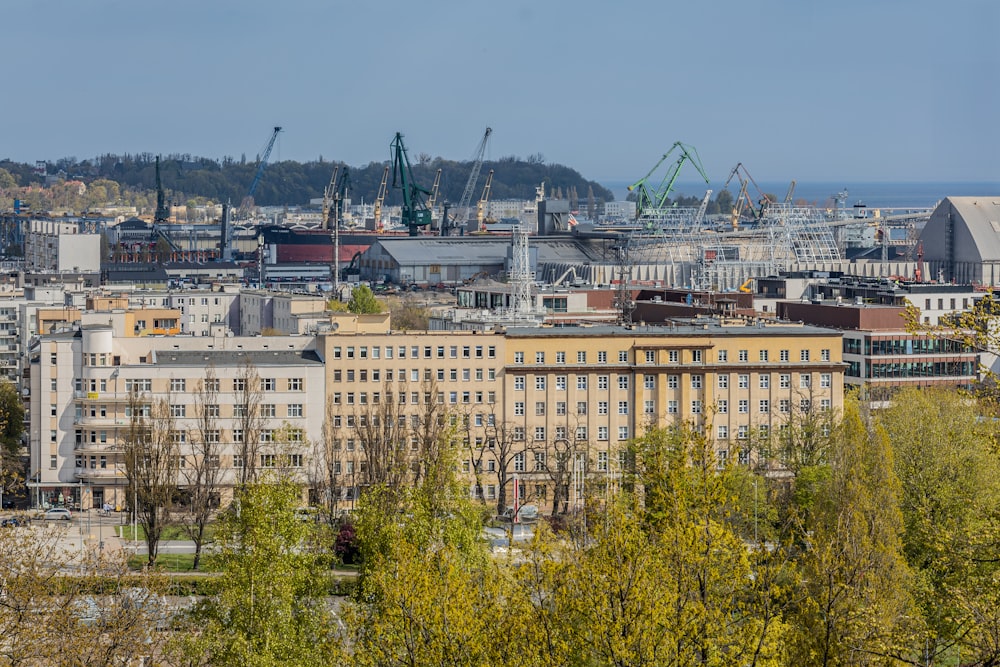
{"x": 481, "y": 204}
{"x": 379, "y": 227}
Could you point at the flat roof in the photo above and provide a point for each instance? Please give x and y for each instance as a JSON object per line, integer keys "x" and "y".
{"x": 707, "y": 329}
{"x": 236, "y": 357}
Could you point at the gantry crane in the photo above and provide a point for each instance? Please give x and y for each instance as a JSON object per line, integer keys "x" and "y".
{"x": 244, "y": 211}
{"x": 328, "y": 198}
{"x": 435, "y": 189}
{"x": 481, "y": 204}
{"x": 415, "y": 211}
{"x": 379, "y": 199}
{"x": 462, "y": 213}
{"x": 649, "y": 198}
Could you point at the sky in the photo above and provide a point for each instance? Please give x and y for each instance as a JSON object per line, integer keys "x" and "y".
{"x": 858, "y": 90}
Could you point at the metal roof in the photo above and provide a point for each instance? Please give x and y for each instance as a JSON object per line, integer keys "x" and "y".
{"x": 476, "y": 250}
{"x": 976, "y": 224}
{"x": 236, "y": 357}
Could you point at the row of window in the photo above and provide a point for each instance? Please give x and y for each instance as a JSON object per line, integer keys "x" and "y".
{"x": 266, "y": 461}
{"x": 673, "y": 381}
{"x": 414, "y": 375}
{"x": 454, "y": 397}
{"x": 673, "y": 356}
{"x": 400, "y": 352}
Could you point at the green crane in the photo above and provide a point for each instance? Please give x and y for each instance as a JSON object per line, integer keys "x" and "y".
{"x": 415, "y": 211}
{"x": 654, "y": 198}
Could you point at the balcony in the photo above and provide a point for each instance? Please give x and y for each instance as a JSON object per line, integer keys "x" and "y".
{"x": 101, "y": 475}
{"x": 107, "y": 421}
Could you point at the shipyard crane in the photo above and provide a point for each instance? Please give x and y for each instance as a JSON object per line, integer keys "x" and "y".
{"x": 415, "y": 211}
{"x": 743, "y": 202}
{"x": 244, "y": 211}
{"x": 432, "y": 199}
{"x": 328, "y": 198}
{"x": 791, "y": 191}
{"x": 341, "y": 192}
{"x": 700, "y": 215}
{"x": 649, "y": 197}
{"x": 462, "y": 213}
{"x": 379, "y": 199}
{"x": 481, "y": 204}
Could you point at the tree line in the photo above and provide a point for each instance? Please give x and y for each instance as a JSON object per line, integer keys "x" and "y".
{"x": 193, "y": 180}
{"x": 871, "y": 539}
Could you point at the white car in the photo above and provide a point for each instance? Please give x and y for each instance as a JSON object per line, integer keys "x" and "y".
{"x": 57, "y": 514}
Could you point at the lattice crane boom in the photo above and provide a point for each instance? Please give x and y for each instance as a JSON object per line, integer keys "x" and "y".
{"x": 244, "y": 211}
{"x": 477, "y": 164}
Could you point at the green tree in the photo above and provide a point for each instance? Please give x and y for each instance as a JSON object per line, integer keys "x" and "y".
{"x": 363, "y": 301}
{"x": 7, "y": 181}
{"x": 270, "y": 610}
{"x": 947, "y": 462}
{"x": 854, "y": 605}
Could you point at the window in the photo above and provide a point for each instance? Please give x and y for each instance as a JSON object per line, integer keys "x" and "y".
{"x": 561, "y": 382}
{"x": 671, "y": 407}
{"x": 539, "y": 357}
{"x": 805, "y": 380}
{"x": 744, "y": 355}
{"x": 539, "y": 408}
{"x": 267, "y": 384}
{"x": 560, "y": 357}
{"x": 602, "y": 357}
{"x": 723, "y": 381}
{"x": 623, "y": 432}
{"x": 581, "y": 382}
{"x": 824, "y": 403}
{"x": 673, "y": 356}
{"x": 491, "y": 351}
{"x": 540, "y": 383}
{"x": 762, "y": 355}
{"x": 650, "y": 356}
{"x": 602, "y": 432}
{"x": 211, "y": 384}
{"x": 649, "y": 381}
{"x": 623, "y": 382}
{"x": 581, "y": 357}
{"x": 742, "y": 432}
{"x": 602, "y": 381}
{"x": 783, "y": 405}
{"x": 212, "y": 410}
{"x": 178, "y": 384}
{"x": 783, "y": 355}
{"x": 602, "y": 407}
{"x": 267, "y": 410}
{"x": 805, "y": 404}
{"x": 803, "y": 355}
{"x": 560, "y": 408}
{"x": 178, "y": 410}
{"x": 296, "y": 384}
{"x": 723, "y": 356}
{"x": 723, "y": 407}
{"x": 539, "y": 434}
{"x": 581, "y": 432}
{"x": 602, "y": 461}
{"x": 722, "y": 433}
{"x": 743, "y": 380}
{"x": 696, "y": 381}
{"x": 764, "y": 406}
{"x": 623, "y": 407}
{"x": 519, "y": 408}
{"x": 518, "y": 383}
{"x": 743, "y": 406}
{"x": 765, "y": 380}
{"x": 623, "y": 356}
{"x": 647, "y": 407}
{"x": 519, "y": 462}
{"x": 294, "y": 409}
{"x": 518, "y": 357}
{"x": 824, "y": 354}
{"x": 784, "y": 380}
{"x": 825, "y": 380}
{"x": 696, "y": 356}
{"x": 581, "y": 407}
{"x": 518, "y": 433}
{"x": 696, "y": 407}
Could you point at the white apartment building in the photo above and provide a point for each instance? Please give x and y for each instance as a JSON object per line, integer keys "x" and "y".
{"x": 80, "y": 385}
{"x": 57, "y": 247}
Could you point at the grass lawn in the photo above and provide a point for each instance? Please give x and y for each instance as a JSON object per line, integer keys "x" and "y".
{"x": 169, "y": 562}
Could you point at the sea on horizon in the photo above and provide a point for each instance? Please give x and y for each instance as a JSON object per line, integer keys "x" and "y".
{"x": 873, "y": 195}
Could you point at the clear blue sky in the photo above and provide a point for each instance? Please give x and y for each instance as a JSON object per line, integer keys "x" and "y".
{"x": 859, "y": 90}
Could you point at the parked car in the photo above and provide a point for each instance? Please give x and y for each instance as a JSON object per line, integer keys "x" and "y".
{"x": 13, "y": 522}
{"x": 57, "y": 514}
{"x": 525, "y": 513}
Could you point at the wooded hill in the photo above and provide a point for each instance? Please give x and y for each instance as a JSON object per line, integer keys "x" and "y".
{"x": 187, "y": 179}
